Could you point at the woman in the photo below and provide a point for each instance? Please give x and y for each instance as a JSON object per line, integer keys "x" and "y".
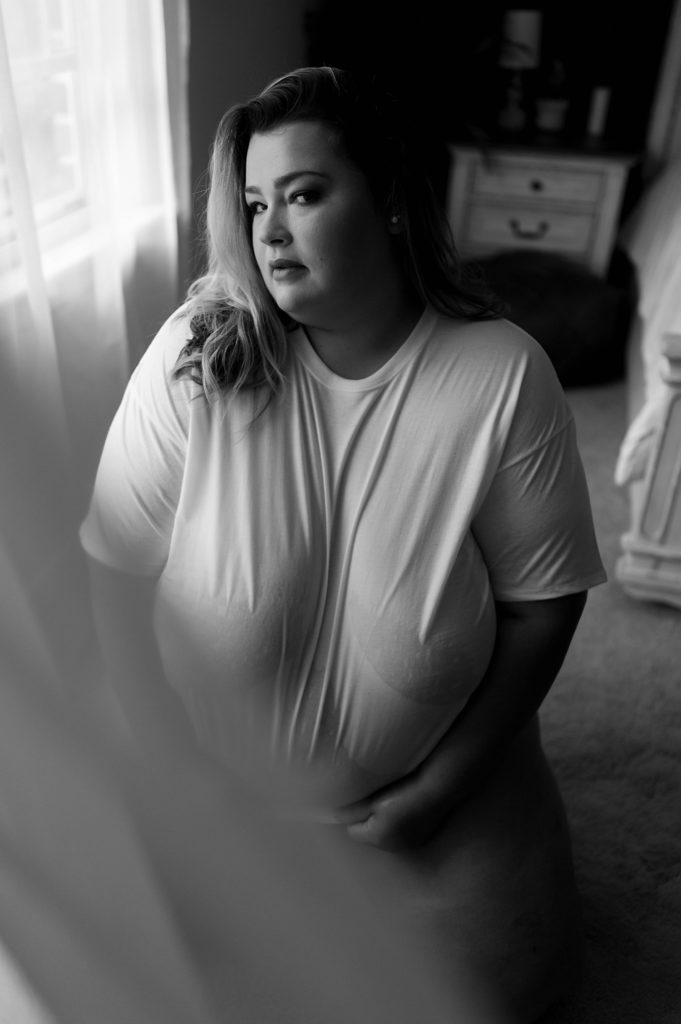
{"x": 350, "y": 492}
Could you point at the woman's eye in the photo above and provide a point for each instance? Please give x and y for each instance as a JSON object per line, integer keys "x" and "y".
{"x": 304, "y": 197}
{"x": 254, "y": 208}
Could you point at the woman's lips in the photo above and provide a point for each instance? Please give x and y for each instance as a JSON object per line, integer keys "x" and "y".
{"x": 282, "y": 271}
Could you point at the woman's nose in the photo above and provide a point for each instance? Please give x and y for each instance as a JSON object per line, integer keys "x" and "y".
{"x": 273, "y": 228}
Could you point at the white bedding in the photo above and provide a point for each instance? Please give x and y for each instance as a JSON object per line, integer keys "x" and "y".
{"x": 652, "y": 239}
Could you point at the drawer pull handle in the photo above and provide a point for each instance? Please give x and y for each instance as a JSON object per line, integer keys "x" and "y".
{"x": 519, "y": 232}
{"x": 536, "y": 185}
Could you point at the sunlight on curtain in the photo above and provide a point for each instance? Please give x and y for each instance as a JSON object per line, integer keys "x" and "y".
{"x": 88, "y": 232}
{"x": 88, "y": 253}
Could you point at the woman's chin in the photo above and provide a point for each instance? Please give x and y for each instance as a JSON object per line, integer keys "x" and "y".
{"x": 294, "y": 302}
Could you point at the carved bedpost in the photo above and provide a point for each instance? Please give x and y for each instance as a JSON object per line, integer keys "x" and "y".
{"x": 650, "y": 566}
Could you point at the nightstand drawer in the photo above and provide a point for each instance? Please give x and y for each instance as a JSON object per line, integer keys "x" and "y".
{"x": 489, "y": 227}
{"x": 516, "y": 181}
{"x": 520, "y": 197}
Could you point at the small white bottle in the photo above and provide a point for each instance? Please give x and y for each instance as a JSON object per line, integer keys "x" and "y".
{"x": 598, "y": 111}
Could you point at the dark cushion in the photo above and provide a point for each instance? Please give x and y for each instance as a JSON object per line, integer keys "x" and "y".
{"x": 580, "y": 319}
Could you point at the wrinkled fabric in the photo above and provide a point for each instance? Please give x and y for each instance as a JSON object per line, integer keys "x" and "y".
{"x": 327, "y": 570}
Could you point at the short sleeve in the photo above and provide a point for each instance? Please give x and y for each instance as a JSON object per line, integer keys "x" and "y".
{"x": 131, "y": 514}
{"x": 535, "y": 526}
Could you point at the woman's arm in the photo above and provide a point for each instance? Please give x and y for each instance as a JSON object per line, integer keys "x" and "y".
{"x": 531, "y": 643}
{"x": 123, "y": 611}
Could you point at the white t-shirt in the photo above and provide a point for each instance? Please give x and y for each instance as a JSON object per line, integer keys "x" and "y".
{"x": 328, "y": 570}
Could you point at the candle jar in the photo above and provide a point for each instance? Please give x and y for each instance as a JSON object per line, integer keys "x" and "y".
{"x": 551, "y": 113}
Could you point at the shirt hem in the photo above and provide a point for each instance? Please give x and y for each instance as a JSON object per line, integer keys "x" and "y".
{"x": 547, "y": 593}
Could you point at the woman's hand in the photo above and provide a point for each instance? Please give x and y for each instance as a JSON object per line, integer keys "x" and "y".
{"x": 402, "y": 815}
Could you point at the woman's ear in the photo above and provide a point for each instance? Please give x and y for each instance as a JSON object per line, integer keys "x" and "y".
{"x": 395, "y": 225}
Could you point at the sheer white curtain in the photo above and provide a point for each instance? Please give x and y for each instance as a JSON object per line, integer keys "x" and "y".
{"x": 89, "y": 215}
{"x": 88, "y": 210}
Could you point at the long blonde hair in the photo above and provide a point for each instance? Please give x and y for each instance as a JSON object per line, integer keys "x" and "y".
{"x": 239, "y": 335}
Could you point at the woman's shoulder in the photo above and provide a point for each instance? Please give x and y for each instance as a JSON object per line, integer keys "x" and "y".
{"x": 499, "y": 360}
{"x": 491, "y": 346}
{"x": 487, "y": 336}
{"x": 159, "y": 359}
{"x": 153, "y": 384}
{"x": 166, "y": 345}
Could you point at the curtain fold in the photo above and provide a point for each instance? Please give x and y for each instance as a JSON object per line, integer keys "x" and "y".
{"x": 89, "y": 236}
{"x": 21, "y": 306}
{"x": 89, "y": 223}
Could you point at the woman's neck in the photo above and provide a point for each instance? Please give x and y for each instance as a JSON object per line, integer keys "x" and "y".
{"x": 364, "y": 344}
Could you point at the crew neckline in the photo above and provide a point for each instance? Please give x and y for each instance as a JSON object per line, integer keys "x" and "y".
{"x": 305, "y": 351}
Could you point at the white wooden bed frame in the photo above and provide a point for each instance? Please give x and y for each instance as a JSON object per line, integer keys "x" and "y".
{"x": 650, "y": 565}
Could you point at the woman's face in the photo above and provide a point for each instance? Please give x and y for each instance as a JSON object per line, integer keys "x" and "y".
{"x": 322, "y": 246}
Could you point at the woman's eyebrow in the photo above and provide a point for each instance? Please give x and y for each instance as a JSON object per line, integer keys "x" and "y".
{"x": 286, "y": 179}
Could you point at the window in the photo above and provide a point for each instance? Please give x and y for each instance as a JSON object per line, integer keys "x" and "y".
{"x": 43, "y": 64}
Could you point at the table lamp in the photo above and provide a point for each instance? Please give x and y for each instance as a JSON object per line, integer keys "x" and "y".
{"x": 519, "y": 54}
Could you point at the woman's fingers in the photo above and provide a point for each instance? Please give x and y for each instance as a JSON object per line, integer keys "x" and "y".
{"x": 352, "y": 814}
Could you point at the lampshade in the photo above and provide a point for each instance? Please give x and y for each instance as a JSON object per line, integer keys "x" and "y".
{"x": 521, "y": 38}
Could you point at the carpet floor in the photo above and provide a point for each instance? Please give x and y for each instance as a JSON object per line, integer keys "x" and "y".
{"x": 612, "y": 730}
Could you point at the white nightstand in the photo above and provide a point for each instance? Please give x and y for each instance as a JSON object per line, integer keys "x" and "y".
{"x": 528, "y": 198}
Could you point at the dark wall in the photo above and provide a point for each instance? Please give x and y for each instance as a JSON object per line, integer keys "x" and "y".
{"x": 444, "y": 56}
{"x": 236, "y": 48}
{"x": 614, "y": 44}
